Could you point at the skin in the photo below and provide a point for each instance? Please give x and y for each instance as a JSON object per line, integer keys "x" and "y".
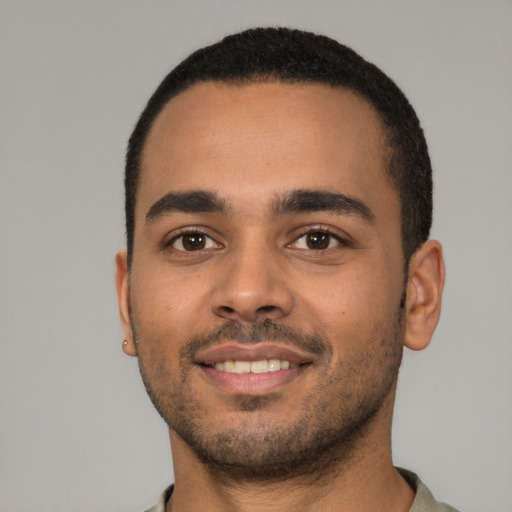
{"x": 252, "y": 146}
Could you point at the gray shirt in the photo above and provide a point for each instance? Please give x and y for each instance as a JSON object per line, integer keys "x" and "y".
{"x": 423, "y": 502}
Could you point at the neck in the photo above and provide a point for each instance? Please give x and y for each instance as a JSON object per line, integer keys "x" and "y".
{"x": 362, "y": 482}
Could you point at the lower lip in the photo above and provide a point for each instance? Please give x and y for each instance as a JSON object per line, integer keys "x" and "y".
{"x": 252, "y": 383}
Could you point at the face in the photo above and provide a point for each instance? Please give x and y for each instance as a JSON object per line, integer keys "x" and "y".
{"x": 267, "y": 274}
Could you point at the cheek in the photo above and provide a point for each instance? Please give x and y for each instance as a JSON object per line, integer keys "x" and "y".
{"x": 350, "y": 304}
{"x": 157, "y": 292}
{"x": 168, "y": 307}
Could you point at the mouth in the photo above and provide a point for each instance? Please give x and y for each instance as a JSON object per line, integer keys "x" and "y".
{"x": 252, "y": 370}
{"x": 261, "y": 366}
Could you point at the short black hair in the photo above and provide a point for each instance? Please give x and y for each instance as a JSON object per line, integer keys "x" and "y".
{"x": 295, "y": 56}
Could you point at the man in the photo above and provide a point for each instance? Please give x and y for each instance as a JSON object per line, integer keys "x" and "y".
{"x": 278, "y": 207}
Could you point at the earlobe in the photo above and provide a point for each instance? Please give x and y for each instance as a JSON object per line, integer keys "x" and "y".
{"x": 424, "y": 293}
{"x": 123, "y": 301}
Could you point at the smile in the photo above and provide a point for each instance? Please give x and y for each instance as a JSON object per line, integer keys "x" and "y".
{"x": 262, "y": 366}
{"x": 252, "y": 369}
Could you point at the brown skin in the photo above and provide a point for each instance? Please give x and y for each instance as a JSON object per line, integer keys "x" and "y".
{"x": 250, "y": 144}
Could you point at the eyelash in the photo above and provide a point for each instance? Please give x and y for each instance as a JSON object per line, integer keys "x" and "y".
{"x": 183, "y": 233}
{"x": 310, "y": 230}
{"x": 323, "y": 230}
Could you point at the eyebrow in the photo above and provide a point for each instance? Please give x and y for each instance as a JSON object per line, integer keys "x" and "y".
{"x": 296, "y": 201}
{"x": 195, "y": 201}
{"x": 303, "y": 201}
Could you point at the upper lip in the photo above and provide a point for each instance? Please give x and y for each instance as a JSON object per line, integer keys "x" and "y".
{"x": 251, "y": 352}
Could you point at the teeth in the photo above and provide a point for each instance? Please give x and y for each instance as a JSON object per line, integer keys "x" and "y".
{"x": 263, "y": 366}
{"x": 229, "y": 366}
{"x": 259, "y": 366}
{"x": 242, "y": 367}
{"x": 274, "y": 365}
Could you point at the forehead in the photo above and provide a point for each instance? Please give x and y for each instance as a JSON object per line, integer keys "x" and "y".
{"x": 264, "y": 137}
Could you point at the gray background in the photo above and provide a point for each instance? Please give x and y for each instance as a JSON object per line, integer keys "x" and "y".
{"x": 77, "y": 431}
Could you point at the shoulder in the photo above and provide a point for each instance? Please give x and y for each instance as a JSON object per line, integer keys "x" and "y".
{"x": 424, "y": 500}
{"x": 164, "y": 498}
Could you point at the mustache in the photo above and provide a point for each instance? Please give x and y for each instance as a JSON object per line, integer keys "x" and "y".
{"x": 255, "y": 333}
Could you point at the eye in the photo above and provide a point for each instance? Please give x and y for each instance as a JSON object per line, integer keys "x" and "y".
{"x": 193, "y": 241}
{"x": 317, "y": 240}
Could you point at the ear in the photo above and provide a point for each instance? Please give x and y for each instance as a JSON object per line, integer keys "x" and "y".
{"x": 123, "y": 301}
{"x": 424, "y": 291}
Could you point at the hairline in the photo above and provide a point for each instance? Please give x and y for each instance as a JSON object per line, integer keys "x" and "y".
{"x": 390, "y": 149}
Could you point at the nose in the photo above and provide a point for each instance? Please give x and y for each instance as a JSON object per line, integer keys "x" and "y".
{"x": 252, "y": 286}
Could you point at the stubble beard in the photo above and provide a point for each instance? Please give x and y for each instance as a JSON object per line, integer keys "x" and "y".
{"x": 326, "y": 436}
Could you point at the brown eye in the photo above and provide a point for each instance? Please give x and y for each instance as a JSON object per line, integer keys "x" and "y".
{"x": 193, "y": 242}
{"x": 318, "y": 240}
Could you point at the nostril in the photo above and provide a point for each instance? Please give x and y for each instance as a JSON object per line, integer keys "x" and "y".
{"x": 227, "y": 309}
{"x": 266, "y": 309}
